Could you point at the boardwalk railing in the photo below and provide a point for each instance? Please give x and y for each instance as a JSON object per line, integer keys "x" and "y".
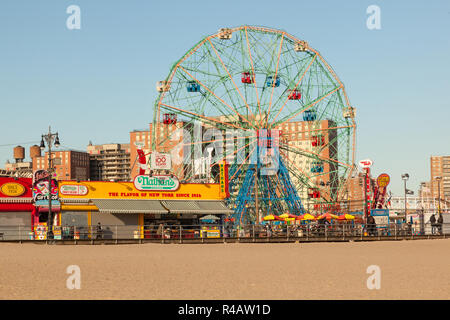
{"x": 213, "y": 233}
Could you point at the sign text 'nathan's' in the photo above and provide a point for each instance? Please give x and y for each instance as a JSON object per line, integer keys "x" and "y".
{"x": 156, "y": 183}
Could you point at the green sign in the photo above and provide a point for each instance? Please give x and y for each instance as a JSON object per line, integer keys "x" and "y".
{"x": 156, "y": 183}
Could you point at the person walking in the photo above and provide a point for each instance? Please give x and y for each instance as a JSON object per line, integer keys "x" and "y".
{"x": 433, "y": 223}
{"x": 99, "y": 231}
{"x": 160, "y": 230}
{"x": 440, "y": 222}
{"x": 371, "y": 226}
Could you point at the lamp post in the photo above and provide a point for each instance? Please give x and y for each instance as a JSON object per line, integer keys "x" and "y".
{"x": 439, "y": 178}
{"x": 50, "y": 138}
{"x": 405, "y": 178}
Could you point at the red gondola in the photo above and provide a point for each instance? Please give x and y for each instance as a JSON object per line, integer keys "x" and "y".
{"x": 312, "y": 193}
{"x": 169, "y": 118}
{"x": 247, "y": 77}
{"x": 294, "y": 95}
{"x": 317, "y": 141}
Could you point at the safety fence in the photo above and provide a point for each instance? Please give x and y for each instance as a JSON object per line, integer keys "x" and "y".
{"x": 168, "y": 233}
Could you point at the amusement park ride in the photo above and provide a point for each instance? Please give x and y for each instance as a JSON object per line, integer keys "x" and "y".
{"x": 261, "y": 84}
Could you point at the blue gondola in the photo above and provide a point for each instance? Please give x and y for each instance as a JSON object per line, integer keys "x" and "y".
{"x": 193, "y": 86}
{"x": 317, "y": 167}
{"x": 309, "y": 115}
{"x": 273, "y": 81}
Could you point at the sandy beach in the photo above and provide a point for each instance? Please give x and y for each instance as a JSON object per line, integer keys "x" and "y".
{"x": 409, "y": 270}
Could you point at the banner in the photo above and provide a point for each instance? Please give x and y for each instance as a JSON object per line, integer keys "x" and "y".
{"x": 224, "y": 188}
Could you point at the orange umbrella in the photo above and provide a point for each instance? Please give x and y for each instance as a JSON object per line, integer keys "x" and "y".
{"x": 328, "y": 216}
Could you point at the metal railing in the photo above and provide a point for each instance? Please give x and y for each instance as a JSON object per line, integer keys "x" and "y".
{"x": 169, "y": 233}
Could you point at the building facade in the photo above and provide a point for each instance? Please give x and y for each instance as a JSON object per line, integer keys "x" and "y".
{"x": 67, "y": 164}
{"x": 109, "y": 162}
{"x": 440, "y": 167}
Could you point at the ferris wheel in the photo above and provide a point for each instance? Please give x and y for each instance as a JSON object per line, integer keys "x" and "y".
{"x": 270, "y": 107}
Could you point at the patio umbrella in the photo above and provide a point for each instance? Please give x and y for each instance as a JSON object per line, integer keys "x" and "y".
{"x": 270, "y": 217}
{"x": 306, "y": 216}
{"x": 328, "y": 216}
{"x": 346, "y": 217}
{"x": 287, "y": 215}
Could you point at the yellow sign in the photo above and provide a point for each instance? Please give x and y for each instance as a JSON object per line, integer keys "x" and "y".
{"x": 383, "y": 180}
{"x": 126, "y": 190}
{"x": 12, "y": 189}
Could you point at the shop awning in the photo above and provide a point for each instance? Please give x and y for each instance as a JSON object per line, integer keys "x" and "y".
{"x": 214, "y": 207}
{"x": 9, "y": 207}
{"x": 196, "y": 207}
{"x": 45, "y": 208}
{"x": 129, "y": 206}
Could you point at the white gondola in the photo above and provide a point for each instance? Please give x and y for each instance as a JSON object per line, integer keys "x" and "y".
{"x": 349, "y": 112}
{"x": 225, "y": 34}
{"x": 301, "y": 46}
{"x": 162, "y": 86}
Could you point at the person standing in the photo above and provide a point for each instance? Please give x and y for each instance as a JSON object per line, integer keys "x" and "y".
{"x": 440, "y": 222}
{"x": 99, "y": 231}
{"x": 433, "y": 223}
{"x": 371, "y": 226}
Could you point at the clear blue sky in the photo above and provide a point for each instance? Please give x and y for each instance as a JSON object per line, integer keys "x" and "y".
{"x": 98, "y": 83}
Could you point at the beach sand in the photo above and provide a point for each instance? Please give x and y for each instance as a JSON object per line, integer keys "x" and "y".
{"x": 416, "y": 269}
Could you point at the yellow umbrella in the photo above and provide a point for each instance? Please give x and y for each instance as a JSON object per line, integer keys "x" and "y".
{"x": 284, "y": 216}
{"x": 346, "y": 217}
{"x": 270, "y": 217}
{"x": 307, "y": 216}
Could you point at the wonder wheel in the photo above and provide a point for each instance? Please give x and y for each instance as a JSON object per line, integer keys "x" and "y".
{"x": 269, "y": 106}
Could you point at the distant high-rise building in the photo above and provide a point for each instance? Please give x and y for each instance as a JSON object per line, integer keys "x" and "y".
{"x": 440, "y": 167}
{"x": 109, "y": 162}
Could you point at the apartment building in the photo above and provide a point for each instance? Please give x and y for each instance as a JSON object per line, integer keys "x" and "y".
{"x": 67, "y": 164}
{"x": 440, "y": 176}
{"x": 109, "y": 162}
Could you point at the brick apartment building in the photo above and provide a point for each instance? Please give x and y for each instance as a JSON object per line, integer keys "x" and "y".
{"x": 68, "y": 164}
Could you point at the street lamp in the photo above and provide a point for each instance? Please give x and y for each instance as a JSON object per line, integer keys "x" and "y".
{"x": 439, "y": 178}
{"x": 51, "y": 139}
{"x": 405, "y": 178}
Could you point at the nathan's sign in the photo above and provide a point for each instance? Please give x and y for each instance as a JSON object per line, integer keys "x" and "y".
{"x": 156, "y": 183}
{"x": 74, "y": 190}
